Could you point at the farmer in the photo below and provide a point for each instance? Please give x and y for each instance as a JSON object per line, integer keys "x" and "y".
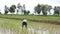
{"x": 24, "y": 23}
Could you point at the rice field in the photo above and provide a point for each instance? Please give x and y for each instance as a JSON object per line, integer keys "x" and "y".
{"x": 10, "y": 26}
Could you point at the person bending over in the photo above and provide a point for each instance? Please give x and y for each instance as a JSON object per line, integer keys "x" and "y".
{"x": 24, "y": 23}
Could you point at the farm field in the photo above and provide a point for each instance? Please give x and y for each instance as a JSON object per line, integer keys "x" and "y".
{"x": 10, "y": 25}
{"x": 34, "y": 17}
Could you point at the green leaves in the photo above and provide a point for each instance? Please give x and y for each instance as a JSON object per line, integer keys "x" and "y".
{"x": 38, "y": 9}
{"x": 6, "y": 9}
{"x": 43, "y": 8}
{"x": 12, "y": 8}
{"x": 56, "y": 10}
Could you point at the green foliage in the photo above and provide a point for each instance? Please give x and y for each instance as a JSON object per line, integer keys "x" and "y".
{"x": 12, "y": 8}
{"x": 26, "y": 12}
{"x": 6, "y": 12}
{"x": 6, "y": 9}
{"x": 44, "y": 9}
{"x": 56, "y": 10}
{"x": 49, "y": 8}
{"x": 38, "y": 9}
{"x": 0, "y": 12}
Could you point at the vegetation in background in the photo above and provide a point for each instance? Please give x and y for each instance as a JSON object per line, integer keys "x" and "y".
{"x": 37, "y": 9}
{"x": 56, "y": 10}
{"x": 12, "y": 8}
{"x": 6, "y": 9}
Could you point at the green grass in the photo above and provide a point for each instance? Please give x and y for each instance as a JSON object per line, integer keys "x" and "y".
{"x": 7, "y": 23}
{"x": 16, "y": 24}
{"x": 33, "y": 17}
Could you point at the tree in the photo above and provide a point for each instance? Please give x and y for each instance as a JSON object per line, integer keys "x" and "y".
{"x": 49, "y": 8}
{"x": 56, "y": 10}
{"x": 25, "y": 12}
{"x": 28, "y": 12}
{"x": 0, "y": 13}
{"x": 6, "y": 9}
{"x": 19, "y": 6}
{"x": 38, "y": 9}
{"x": 35, "y": 10}
{"x": 12, "y": 8}
{"x": 17, "y": 11}
{"x": 44, "y": 9}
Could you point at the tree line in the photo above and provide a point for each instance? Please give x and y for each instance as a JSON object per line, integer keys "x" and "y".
{"x": 46, "y": 8}
{"x": 12, "y": 8}
{"x": 37, "y": 9}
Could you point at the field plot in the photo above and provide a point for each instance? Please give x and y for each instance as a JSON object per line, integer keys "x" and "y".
{"x": 10, "y": 25}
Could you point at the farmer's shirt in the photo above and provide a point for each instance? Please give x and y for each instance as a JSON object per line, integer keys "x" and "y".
{"x": 24, "y": 20}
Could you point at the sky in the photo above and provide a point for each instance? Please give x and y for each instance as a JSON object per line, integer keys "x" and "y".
{"x": 30, "y": 4}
